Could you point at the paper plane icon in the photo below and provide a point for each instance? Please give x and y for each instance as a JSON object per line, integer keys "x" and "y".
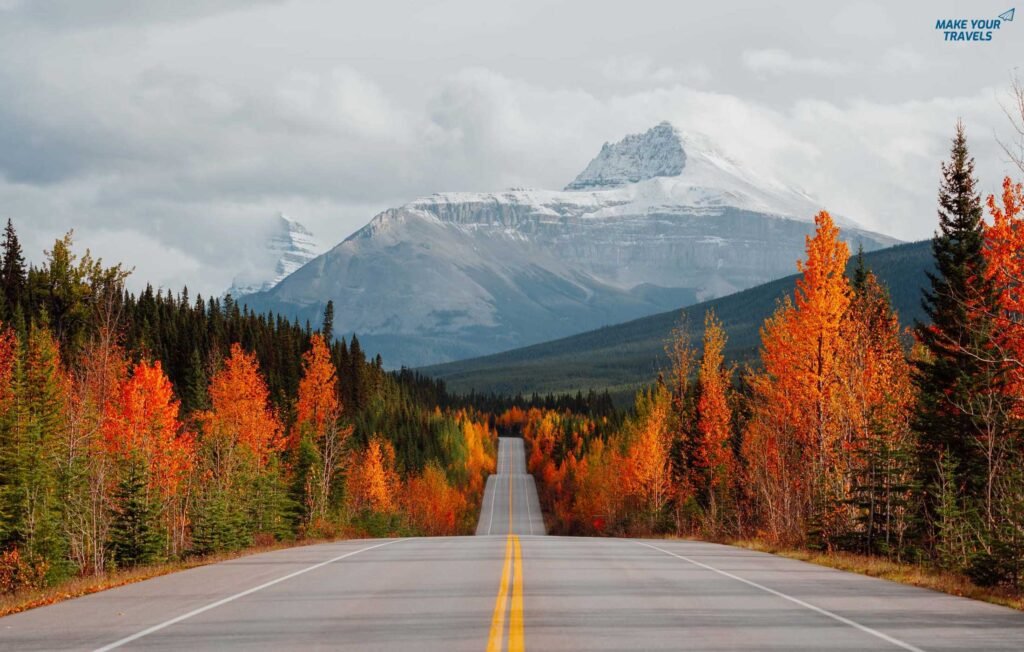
{"x": 1007, "y": 15}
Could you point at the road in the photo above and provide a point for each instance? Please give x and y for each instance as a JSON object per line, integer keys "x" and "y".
{"x": 510, "y": 503}
{"x": 511, "y": 589}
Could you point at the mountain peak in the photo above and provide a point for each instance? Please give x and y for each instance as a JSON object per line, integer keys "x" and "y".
{"x": 658, "y": 152}
{"x": 289, "y": 246}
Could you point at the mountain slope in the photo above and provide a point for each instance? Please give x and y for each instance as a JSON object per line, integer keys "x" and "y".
{"x": 623, "y": 357}
{"x": 656, "y": 221}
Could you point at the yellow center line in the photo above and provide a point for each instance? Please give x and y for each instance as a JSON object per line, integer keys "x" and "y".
{"x": 515, "y": 623}
{"x": 498, "y": 619}
{"x": 513, "y": 566}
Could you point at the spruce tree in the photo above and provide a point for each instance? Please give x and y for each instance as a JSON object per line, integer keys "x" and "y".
{"x": 12, "y": 271}
{"x": 194, "y": 397}
{"x": 327, "y": 329}
{"x": 135, "y": 536}
{"x": 955, "y": 376}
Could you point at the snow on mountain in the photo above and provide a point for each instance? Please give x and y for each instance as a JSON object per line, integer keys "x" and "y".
{"x": 637, "y": 157}
{"x": 656, "y": 221}
{"x": 289, "y": 246}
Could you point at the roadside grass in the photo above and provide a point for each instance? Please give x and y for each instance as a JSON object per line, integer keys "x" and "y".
{"x": 902, "y": 572}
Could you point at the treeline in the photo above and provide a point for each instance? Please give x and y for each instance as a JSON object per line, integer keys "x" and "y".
{"x": 137, "y": 428}
{"x": 849, "y": 434}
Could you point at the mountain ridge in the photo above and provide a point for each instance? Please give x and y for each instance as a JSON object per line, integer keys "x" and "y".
{"x": 462, "y": 274}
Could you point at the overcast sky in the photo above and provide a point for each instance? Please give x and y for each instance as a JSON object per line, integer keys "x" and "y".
{"x": 168, "y": 134}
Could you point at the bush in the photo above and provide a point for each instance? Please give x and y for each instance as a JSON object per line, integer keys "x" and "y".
{"x": 19, "y": 572}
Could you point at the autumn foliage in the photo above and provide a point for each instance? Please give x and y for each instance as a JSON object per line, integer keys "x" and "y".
{"x": 812, "y": 443}
{"x": 141, "y": 424}
{"x": 241, "y": 419}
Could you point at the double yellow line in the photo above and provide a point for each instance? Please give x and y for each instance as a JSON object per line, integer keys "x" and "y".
{"x": 513, "y": 567}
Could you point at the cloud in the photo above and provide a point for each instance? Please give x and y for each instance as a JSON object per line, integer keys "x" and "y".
{"x": 75, "y": 14}
{"x": 192, "y": 127}
{"x": 780, "y": 62}
{"x": 903, "y": 60}
{"x": 640, "y": 69}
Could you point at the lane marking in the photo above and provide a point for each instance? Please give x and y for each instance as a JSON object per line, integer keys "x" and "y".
{"x": 494, "y": 640}
{"x": 242, "y": 594}
{"x": 515, "y": 622}
{"x": 526, "y": 499}
{"x": 497, "y": 475}
{"x": 824, "y": 612}
{"x": 494, "y": 493}
{"x": 510, "y": 598}
{"x": 510, "y": 518}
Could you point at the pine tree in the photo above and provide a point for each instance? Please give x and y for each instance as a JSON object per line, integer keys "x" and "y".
{"x": 194, "y": 396}
{"x": 12, "y": 271}
{"x": 135, "y": 535}
{"x": 954, "y": 378}
{"x": 30, "y": 491}
{"x": 327, "y": 329}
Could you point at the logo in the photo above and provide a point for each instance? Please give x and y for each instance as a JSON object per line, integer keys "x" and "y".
{"x": 972, "y": 29}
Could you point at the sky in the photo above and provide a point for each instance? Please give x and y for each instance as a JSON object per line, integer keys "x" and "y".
{"x": 169, "y": 135}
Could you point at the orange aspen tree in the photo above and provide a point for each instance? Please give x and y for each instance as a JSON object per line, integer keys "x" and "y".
{"x": 240, "y": 421}
{"x": 794, "y": 427}
{"x": 8, "y": 355}
{"x": 774, "y": 462}
{"x": 373, "y": 483}
{"x": 318, "y": 414}
{"x": 141, "y": 426}
{"x": 999, "y": 439}
{"x": 143, "y": 423}
{"x": 647, "y": 476}
{"x": 714, "y": 420}
{"x": 1004, "y": 253}
{"x": 479, "y": 462}
{"x": 434, "y": 507}
{"x": 102, "y": 367}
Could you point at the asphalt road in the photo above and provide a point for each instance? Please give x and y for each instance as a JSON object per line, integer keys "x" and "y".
{"x": 510, "y": 503}
{"x": 513, "y": 590}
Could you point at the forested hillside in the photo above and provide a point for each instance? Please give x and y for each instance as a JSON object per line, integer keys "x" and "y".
{"x": 625, "y": 357}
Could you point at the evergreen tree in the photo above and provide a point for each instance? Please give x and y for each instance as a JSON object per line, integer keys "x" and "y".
{"x": 954, "y": 375}
{"x": 194, "y": 396}
{"x": 135, "y": 536}
{"x": 30, "y": 488}
{"x": 12, "y": 271}
{"x": 327, "y": 329}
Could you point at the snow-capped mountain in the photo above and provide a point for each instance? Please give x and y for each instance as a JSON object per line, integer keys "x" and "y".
{"x": 288, "y": 247}
{"x": 657, "y": 221}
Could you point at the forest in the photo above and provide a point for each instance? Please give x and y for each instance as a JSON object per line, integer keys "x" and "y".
{"x": 150, "y": 427}
{"x": 848, "y": 433}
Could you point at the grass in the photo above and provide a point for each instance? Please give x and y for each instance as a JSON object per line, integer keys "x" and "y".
{"x": 902, "y": 572}
{"x": 84, "y": 585}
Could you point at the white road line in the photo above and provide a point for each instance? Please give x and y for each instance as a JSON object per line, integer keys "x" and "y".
{"x": 497, "y": 475}
{"x": 825, "y": 612}
{"x": 231, "y": 598}
{"x": 526, "y": 499}
{"x": 494, "y": 492}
